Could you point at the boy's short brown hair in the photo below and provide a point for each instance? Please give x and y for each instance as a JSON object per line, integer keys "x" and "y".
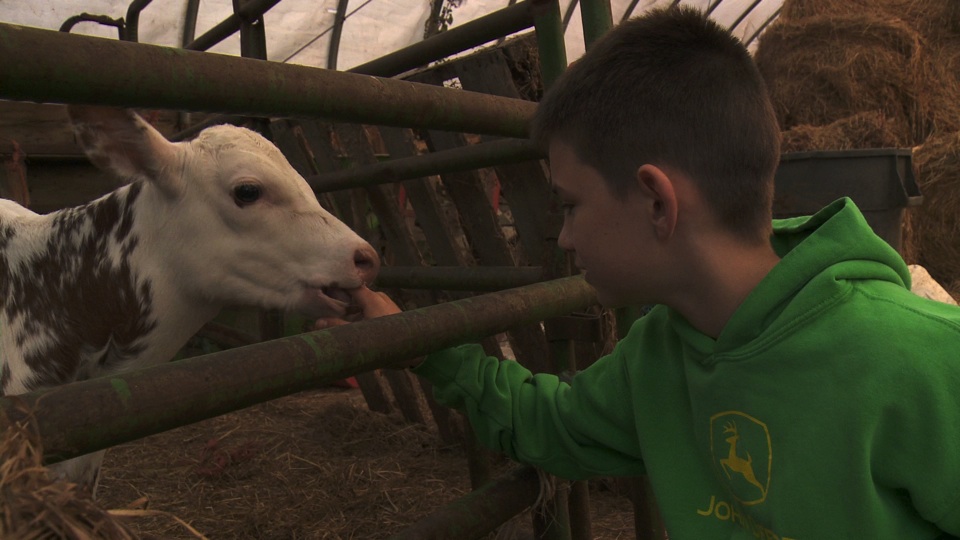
{"x": 672, "y": 88}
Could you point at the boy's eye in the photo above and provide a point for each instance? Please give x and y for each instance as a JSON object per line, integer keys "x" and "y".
{"x": 567, "y": 208}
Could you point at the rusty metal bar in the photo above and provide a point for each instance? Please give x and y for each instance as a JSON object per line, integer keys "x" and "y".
{"x": 459, "y": 278}
{"x": 68, "y": 68}
{"x": 231, "y": 25}
{"x": 462, "y": 158}
{"x": 500, "y": 23}
{"x": 81, "y": 417}
{"x": 481, "y": 511}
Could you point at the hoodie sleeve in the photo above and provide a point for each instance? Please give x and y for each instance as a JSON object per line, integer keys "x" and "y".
{"x": 916, "y": 441}
{"x": 577, "y": 430}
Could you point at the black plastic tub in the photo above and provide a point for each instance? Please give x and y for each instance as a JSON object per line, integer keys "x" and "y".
{"x": 880, "y": 181}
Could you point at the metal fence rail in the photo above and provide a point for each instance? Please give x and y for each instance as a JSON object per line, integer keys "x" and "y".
{"x": 69, "y": 68}
{"x": 81, "y": 417}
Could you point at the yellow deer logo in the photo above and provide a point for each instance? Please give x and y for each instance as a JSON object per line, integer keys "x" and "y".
{"x": 735, "y": 463}
{"x": 741, "y": 448}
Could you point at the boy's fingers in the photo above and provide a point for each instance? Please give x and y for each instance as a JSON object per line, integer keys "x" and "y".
{"x": 373, "y": 304}
{"x": 327, "y": 322}
{"x": 362, "y": 294}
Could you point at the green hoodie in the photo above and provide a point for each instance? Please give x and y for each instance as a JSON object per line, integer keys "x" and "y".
{"x": 828, "y": 408}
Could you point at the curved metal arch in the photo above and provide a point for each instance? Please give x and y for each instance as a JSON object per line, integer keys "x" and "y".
{"x": 338, "y": 19}
{"x": 762, "y": 27}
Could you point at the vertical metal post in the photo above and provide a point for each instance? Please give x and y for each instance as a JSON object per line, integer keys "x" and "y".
{"x": 133, "y": 20}
{"x": 550, "y": 44}
{"x": 253, "y": 38}
{"x": 189, "y": 32}
{"x": 597, "y": 20}
{"x": 554, "y": 524}
{"x": 253, "y": 44}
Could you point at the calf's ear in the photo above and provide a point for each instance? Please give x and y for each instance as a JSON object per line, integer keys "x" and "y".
{"x": 120, "y": 141}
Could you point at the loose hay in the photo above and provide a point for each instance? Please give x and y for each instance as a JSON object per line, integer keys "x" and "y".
{"x": 34, "y": 507}
{"x": 934, "y": 227}
{"x": 821, "y": 69}
{"x": 863, "y": 130}
{"x": 314, "y": 465}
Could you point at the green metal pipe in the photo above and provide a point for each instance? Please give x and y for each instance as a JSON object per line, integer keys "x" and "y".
{"x": 550, "y": 44}
{"x": 481, "y": 511}
{"x": 81, "y": 417}
{"x": 500, "y": 23}
{"x": 463, "y": 158}
{"x": 69, "y": 68}
{"x": 597, "y": 20}
{"x": 458, "y": 278}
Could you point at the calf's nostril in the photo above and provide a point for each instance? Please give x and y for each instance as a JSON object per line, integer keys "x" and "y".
{"x": 367, "y": 262}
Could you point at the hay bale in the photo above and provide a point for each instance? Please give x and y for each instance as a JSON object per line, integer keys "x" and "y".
{"x": 932, "y": 18}
{"x": 34, "y": 507}
{"x": 821, "y": 69}
{"x": 935, "y": 20}
{"x": 934, "y": 227}
{"x": 862, "y": 130}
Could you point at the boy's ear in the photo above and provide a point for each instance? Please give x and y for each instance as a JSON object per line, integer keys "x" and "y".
{"x": 660, "y": 195}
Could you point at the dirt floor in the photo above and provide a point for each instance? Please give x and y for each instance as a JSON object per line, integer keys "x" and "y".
{"x": 312, "y": 465}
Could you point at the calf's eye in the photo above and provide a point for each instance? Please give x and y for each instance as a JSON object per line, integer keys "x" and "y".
{"x": 245, "y": 194}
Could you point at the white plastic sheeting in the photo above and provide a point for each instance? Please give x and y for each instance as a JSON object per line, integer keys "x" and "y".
{"x": 298, "y": 31}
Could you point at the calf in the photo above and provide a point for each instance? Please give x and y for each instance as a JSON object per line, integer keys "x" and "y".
{"x": 124, "y": 281}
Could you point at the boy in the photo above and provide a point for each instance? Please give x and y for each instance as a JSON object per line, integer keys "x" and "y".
{"x": 787, "y": 384}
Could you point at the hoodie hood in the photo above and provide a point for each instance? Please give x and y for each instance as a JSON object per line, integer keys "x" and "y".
{"x": 822, "y": 256}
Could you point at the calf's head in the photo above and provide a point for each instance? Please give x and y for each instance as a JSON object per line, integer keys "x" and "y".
{"x": 227, "y": 217}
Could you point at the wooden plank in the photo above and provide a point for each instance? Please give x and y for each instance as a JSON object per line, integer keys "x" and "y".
{"x": 57, "y": 185}
{"x": 43, "y": 129}
{"x": 13, "y": 181}
{"x": 481, "y": 224}
{"x": 318, "y": 137}
{"x": 401, "y": 250}
{"x": 441, "y": 229}
{"x": 525, "y": 185}
{"x": 289, "y": 137}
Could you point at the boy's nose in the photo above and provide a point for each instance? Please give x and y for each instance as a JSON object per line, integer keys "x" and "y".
{"x": 563, "y": 240}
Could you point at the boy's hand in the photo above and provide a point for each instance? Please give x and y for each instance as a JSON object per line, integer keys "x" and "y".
{"x": 367, "y": 304}
{"x": 370, "y": 305}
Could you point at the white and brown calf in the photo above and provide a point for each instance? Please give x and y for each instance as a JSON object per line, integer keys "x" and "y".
{"x": 124, "y": 281}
